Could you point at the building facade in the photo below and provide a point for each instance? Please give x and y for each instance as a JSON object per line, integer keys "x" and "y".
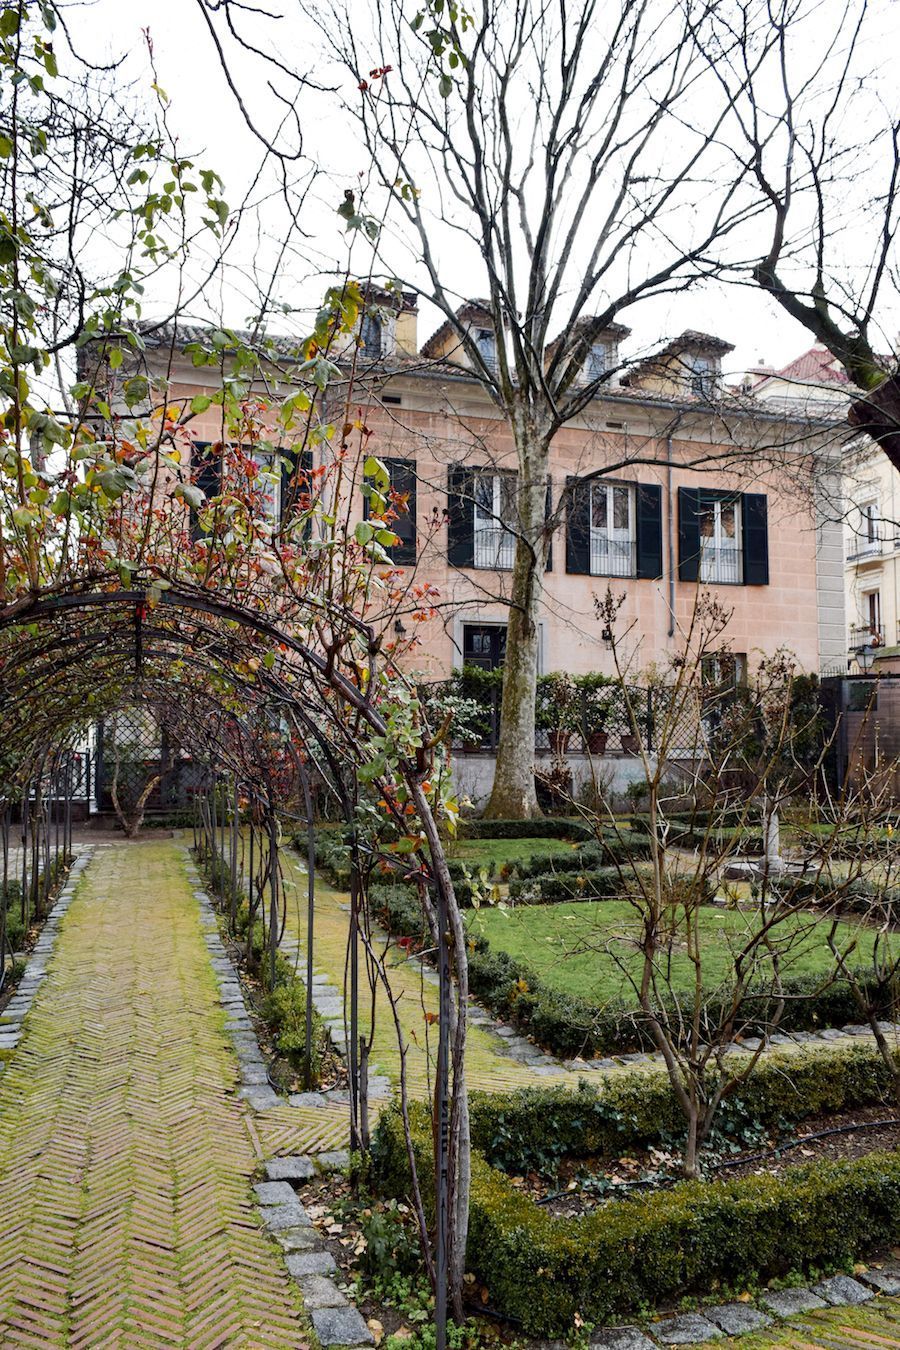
{"x": 667, "y": 484}
{"x": 869, "y": 510}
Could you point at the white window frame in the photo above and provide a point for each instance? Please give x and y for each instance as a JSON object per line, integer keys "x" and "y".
{"x": 494, "y": 544}
{"x": 486, "y": 342}
{"x": 869, "y": 539}
{"x": 866, "y": 597}
{"x": 613, "y": 551}
{"x": 705, "y": 374}
{"x": 602, "y": 357}
{"x": 721, "y": 558}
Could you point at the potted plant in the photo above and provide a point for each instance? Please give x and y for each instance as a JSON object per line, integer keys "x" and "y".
{"x": 595, "y": 699}
{"x": 557, "y": 710}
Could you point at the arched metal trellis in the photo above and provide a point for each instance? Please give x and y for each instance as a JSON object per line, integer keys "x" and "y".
{"x": 81, "y": 655}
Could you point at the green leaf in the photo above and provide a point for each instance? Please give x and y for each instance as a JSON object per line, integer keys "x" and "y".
{"x": 364, "y": 532}
{"x": 200, "y": 403}
{"x": 6, "y": 146}
{"x": 190, "y": 493}
{"x": 445, "y": 86}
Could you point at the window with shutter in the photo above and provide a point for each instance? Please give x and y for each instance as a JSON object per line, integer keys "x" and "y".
{"x": 206, "y": 474}
{"x": 723, "y": 537}
{"x": 494, "y": 520}
{"x": 296, "y": 486}
{"x": 402, "y": 474}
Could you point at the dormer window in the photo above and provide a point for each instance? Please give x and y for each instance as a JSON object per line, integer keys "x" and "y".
{"x": 601, "y": 359}
{"x": 704, "y": 372}
{"x": 371, "y": 336}
{"x": 486, "y": 342}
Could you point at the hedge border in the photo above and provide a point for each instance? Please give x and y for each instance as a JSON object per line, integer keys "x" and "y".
{"x": 646, "y": 1249}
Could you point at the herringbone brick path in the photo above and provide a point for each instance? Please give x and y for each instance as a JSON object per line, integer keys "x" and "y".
{"x": 126, "y": 1216}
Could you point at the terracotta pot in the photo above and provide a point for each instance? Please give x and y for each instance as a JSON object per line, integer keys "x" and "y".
{"x": 558, "y": 741}
{"x": 597, "y": 742}
{"x": 629, "y": 743}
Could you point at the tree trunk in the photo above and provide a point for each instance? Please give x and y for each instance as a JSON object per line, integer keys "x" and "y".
{"x": 513, "y": 796}
{"x": 878, "y": 415}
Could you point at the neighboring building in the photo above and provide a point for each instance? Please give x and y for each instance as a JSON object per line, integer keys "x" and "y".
{"x": 869, "y": 510}
{"x": 705, "y": 487}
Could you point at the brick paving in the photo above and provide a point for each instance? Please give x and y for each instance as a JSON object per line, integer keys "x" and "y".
{"x": 127, "y": 1216}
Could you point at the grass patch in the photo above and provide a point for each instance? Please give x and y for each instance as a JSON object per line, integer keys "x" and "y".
{"x": 570, "y": 945}
{"x": 496, "y": 853}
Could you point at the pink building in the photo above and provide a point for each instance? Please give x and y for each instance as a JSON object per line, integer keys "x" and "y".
{"x": 667, "y": 482}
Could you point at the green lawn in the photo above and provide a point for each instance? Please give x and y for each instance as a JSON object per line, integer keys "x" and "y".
{"x": 570, "y": 945}
{"x": 493, "y": 853}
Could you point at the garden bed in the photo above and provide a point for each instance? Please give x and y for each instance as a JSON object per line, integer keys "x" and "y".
{"x": 570, "y": 945}
{"x": 693, "y": 1238}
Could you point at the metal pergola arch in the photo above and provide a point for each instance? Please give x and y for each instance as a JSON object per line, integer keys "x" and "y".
{"x": 128, "y": 643}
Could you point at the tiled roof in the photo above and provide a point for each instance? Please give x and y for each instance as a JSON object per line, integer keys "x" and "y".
{"x": 817, "y": 366}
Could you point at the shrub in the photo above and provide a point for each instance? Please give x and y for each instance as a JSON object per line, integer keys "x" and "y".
{"x": 646, "y": 1249}
{"x": 285, "y": 1011}
{"x": 607, "y": 883}
{"x": 546, "y": 827}
{"x": 533, "y": 1128}
{"x": 568, "y": 1025}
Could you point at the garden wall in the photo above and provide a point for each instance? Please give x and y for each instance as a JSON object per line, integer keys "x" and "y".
{"x": 473, "y": 773}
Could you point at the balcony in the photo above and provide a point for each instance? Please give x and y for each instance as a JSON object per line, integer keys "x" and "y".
{"x": 861, "y": 550}
{"x": 864, "y": 635}
{"x": 495, "y": 547}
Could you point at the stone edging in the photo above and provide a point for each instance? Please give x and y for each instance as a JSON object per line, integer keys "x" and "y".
{"x": 738, "y": 1319}
{"x": 307, "y": 1258}
{"x": 19, "y": 1006}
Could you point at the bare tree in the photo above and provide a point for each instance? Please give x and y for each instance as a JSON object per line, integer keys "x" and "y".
{"x": 557, "y": 155}
{"x": 728, "y": 758}
{"x": 821, "y": 132}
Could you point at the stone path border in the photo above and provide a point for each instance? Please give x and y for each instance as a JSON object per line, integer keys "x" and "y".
{"x": 335, "y": 1320}
{"x": 19, "y": 1006}
{"x": 739, "y": 1319}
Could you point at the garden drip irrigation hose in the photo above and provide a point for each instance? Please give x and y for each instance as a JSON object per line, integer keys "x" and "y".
{"x": 663, "y": 1182}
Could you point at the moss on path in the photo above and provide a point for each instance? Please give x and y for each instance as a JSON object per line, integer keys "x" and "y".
{"x": 126, "y": 1214}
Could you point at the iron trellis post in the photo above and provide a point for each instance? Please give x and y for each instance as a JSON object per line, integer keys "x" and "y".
{"x": 310, "y": 922}
{"x": 273, "y": 894}
{"x": 353, "y": 1047}
{"x": 442, "y": 1104}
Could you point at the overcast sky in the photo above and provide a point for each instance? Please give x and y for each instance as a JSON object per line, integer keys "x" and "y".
{"x": 210, "y": 126}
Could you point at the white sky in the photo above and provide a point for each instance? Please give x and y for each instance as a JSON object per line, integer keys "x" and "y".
{"x": 210, "y": 127}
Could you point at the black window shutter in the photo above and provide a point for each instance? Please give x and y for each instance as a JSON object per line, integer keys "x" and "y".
{"x": 460, "y": 516}
{"x": 296, "y": 481}
{"x": 755, "y": 522}
{"x": 548, "y": 512}
{"x": 403, "y": 479}
{"x": 649, "y": 531}
{"x": 206, "y": 474}
{"x": 578, "y": 526}
{"x": 688, "y": 534}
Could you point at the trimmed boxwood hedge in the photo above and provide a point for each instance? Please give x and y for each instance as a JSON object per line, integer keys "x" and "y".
{"x": 531, "y": 1129}
{"x": 545, "y": 827}
{"x": 541, "y": 1271}
{"x": 602, "y": 883}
